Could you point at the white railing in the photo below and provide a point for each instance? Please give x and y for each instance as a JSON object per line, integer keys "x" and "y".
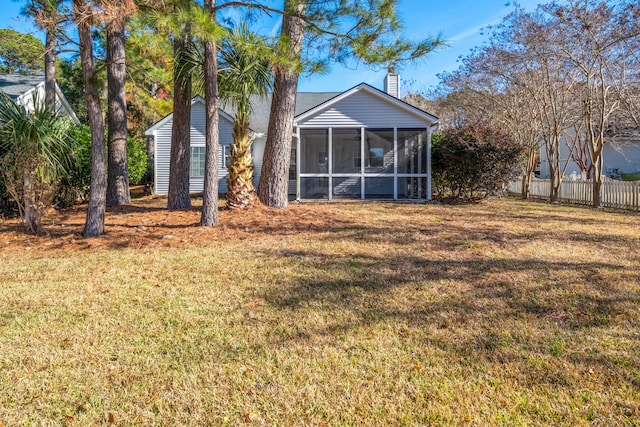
{"x": 614, "y": 194}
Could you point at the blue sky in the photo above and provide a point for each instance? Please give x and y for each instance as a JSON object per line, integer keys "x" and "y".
{"x": 458, "y": 21}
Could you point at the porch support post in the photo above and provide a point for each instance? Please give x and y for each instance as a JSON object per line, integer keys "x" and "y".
{"x": 298, "y": 147}
{"x": 362, "y": 160}
{"x": 429, "y": 196}
{"x": 395, "y": 163}
{"x": 421, "y": 147}
{"x": 330, "y": 163}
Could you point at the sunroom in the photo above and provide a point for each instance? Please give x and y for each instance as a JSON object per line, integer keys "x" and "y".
{"x": 364, "y": 144}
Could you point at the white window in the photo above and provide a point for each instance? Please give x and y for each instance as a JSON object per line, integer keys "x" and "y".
{"x": 197, "y": 161}
{"x": 226, "y": 158}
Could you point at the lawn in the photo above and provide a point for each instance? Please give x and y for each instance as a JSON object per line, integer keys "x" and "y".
{"x": 347, "y": 314}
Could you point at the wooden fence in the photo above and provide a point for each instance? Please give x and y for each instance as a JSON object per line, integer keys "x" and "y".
{"x": 614, "y": 194}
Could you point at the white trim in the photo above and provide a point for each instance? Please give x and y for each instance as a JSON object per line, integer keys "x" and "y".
{"x": 430, "y": 119}
{"x": 330, "y": 162}
{"x": 363, "y": 142}
{"x": 196, "y": 99}
{"x": 429, "y": 189}
{"x": 64, "y": 103}
{"x": 155, "y": 160}
{"x": 298, "y": 146}
{"x": 395, "y": 163}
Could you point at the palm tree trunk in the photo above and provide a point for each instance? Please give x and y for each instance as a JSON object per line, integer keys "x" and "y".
{"x": 210, "y": 193}
{"x": 94, "y": 225}
{"x": 118, "y": 172}
{"x": 274, "y": 179}
{"x": 178, "y": 196}
{"x": 240, "y": 190}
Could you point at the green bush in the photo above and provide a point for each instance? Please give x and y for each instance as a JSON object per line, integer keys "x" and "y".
{"x": 137, "y": 159}
{"x": 473, "y": 160}
{"x": 75, "y": 186}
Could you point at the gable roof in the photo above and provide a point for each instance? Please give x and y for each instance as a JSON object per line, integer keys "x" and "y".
{"x": 307, "y": 103}
{"x": 16, "y": 85}
{"x": 261, "y": 107}
{"x": 364, "y": 87}
{"x": 196, "y": 100}
{"x": 21, "y": 87}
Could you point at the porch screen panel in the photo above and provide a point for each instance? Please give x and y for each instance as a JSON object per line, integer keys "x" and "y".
{"x": 347, "y": 187}
{"x": 314, "y": 188}
{"x": 412, "y": 188}
{"x": 346, "y": 150}
{"x": 378, "y": 188}
{"x": 314, "y": 151}
{"x": 378, "y": 151}
{"x": 412, "y": 151}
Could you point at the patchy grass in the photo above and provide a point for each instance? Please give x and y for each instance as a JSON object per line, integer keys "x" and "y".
{"x": 630, "y": 176}
{"x": 344, "y": 314}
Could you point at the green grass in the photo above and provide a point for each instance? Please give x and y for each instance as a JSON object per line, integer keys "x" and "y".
{"x": 630, "y": 176}
{"x": 503, "y": 313}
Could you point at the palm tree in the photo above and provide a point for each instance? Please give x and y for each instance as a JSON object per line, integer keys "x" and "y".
{"x": 34, "y": 146}
{"x": 244, "y": 71}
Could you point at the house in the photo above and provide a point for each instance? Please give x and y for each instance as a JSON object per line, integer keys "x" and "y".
{"x": 363, "y": 143}
{"x": 23, "y": 88}
{"x": 620, "y": 154}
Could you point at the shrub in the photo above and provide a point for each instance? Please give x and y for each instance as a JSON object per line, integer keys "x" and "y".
{"x": 137, "y": 159}
{"x": 74, "y": 187}
{"x": 473, "y": 160}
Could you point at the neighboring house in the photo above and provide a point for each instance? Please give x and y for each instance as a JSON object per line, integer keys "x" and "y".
{"x": 23, "y": 88}
{"x": 359, "y": 144}
{"x": 621, "y": 154}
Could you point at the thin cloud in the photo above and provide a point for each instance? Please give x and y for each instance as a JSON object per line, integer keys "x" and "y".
{"x": 472, "y": 31}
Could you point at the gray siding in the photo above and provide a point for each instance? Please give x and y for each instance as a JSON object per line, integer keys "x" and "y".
{"x": 163, "y": 150}
{"x": 363, "y": 110}
{"x": 621, "y": 155}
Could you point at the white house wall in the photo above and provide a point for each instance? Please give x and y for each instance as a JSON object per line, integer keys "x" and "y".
{"x": 163, "y": 151}
{"x": 257, "y": 151}
{"x": 622, "y": 155}
{"x": 363, "y": 109}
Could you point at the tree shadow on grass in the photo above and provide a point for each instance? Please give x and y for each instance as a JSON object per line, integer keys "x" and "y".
{"x": 468, "y": 309}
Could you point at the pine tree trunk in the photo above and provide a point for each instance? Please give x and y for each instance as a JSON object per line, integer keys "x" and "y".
{"x": 210, "y": 192}
{"x": 94, "y": 225}
{"x": 274, "y": 179}
{"x": 118, "y": 173}
{"x": 240, "y": 190}
{"x": 50, "y": 70}
{"x": 178, "y": 197}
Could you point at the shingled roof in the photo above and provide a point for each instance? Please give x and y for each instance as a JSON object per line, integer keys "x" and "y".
{"x": 15, "y": 85}
{"x": 21, "y": 88}
{"x": 261, "y": 107}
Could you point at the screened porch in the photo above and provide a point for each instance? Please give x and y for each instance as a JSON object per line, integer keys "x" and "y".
{"x": 362, "y": 163}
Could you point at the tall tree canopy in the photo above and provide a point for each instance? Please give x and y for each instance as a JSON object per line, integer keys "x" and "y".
{"x": 20, "y": 53}
{"x": 564, "y": 75}
{"x": 314, "y": 34}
